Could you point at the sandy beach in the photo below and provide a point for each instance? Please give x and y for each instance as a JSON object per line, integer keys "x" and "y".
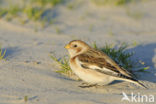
{"x": 29, "y": 72}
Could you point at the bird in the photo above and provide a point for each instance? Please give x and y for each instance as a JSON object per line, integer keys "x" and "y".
{"x": 95, "y": 67}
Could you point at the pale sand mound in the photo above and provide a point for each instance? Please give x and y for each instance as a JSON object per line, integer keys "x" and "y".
{"x": 29, "y": 71}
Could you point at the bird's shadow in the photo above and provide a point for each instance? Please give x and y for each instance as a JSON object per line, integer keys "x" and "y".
{"x": 146, "y": 53}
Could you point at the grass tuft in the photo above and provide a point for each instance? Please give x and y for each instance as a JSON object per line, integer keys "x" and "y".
{"x": 137, "y": 15}
{"x": 2, "y": 54}
{"x": 2, "y": 12}
{"x": 33, "y": 13}
{"x": 25, "y": 98}
{"x": 46, "y": 2}
{"x": 33, "y": 10}
{"x": 64, "y": 65}
{"x": 112, "y": 2}
{"x": 117, "y": 53}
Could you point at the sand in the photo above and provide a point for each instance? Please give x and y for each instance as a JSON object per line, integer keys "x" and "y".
{"x": 29, "y": 73}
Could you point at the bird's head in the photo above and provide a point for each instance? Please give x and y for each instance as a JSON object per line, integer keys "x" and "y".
{"x": 76, "y": 47}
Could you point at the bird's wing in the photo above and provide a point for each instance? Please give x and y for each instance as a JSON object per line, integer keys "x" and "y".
{"x": 101, "y": 63}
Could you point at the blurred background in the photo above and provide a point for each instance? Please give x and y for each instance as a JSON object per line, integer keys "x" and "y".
{"x": 82, "y": 18}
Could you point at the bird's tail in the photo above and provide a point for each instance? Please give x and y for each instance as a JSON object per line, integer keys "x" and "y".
{"x": 132, "y": 80}
{"x": 140, "y": 84}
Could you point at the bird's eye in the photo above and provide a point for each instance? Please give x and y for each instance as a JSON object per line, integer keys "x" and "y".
{"x": 75, "y": 45}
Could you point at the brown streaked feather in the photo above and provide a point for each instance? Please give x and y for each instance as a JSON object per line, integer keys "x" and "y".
{"x": 80, "y": 42}
{"x": 78, "y": 50}
{"x": 101, "y": 60}
{"x": 72, "y": 60}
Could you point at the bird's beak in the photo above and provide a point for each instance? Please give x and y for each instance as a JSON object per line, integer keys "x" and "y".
{"x": 67, "y": 46}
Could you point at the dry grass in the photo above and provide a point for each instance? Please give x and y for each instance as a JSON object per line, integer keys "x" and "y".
{"x": 32, "y": 10}
{"x": 2, "y": 54}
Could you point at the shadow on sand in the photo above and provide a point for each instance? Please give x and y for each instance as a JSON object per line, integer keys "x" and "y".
{"x": 11, "y": 52}
{"x": 146, "y": 53}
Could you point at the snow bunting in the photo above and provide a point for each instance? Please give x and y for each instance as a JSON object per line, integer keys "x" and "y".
{"x": 94, "y": 66}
